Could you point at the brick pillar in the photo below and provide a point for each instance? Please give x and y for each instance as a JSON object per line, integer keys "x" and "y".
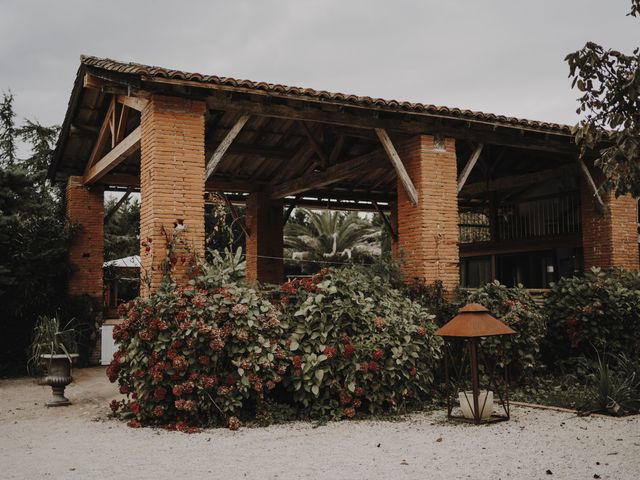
{"x": 609, "y": 237}
{"x": 264, "y": 222}
{"x": 171, "y": 186}
{"x": 428, "y": 233}
{"x": 85, "y": 208}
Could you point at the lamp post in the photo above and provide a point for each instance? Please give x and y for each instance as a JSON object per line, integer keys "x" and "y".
{"x": 464, "y": 331}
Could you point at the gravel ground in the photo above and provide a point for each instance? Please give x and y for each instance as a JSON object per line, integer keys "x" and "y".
{"x": 79, "y": 442}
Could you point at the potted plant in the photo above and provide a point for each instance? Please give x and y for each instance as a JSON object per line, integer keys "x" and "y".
{"x": 54, "y": 346}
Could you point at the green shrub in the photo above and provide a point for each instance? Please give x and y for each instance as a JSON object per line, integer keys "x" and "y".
{"x": 613, "y": 385}
{"x": 434, "y": 297}
{"x": 195, "y": 356}
{"x": 591, "y": 311}
{"x": 359, "y": 344}
{"x": 516, "y": 308}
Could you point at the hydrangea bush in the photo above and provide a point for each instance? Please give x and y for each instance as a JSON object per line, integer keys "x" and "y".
{"x": 193, "y": 356}
{"x": 358, "y": 344}
{"x": 598, "y": 311}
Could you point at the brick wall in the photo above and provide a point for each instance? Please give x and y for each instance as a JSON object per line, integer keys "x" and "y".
{"x": 85, "y": 207}
{"x": 264, "y": 221}
{"x": 428, "y": 233}
{"x": 171, "y": 183}
{"x": 609, "y": 238}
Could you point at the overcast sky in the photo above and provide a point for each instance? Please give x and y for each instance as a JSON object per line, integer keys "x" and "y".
{"x": 500, "y": 56}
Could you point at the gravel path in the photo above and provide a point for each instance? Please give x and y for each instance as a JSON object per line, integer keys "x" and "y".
{"x": 78, "y": 442}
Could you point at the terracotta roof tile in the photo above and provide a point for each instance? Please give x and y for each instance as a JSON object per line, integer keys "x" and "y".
{"x": 309, "y": 93}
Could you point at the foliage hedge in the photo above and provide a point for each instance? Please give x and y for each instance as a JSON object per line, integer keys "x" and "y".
{"x": 599, "y": 311}
{"x": 516, "y": 308}
{"x": 332, "y": 345}
{"x": 359, "y": 344}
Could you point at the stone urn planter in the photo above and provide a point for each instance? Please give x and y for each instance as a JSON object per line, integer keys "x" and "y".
{"x": 58, "y": 376}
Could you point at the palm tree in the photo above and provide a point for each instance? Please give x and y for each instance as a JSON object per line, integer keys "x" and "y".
{"x": 330, "y": 237}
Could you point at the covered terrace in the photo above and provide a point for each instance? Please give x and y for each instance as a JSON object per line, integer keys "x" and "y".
{"x": 467, "y": 196}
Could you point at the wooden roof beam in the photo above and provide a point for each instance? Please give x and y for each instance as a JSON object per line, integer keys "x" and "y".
{"x": 410, "y": 124}
{"x": 332, "y": 174}
{"x": 462, "y": 179}
{"x": 393, "y": 156}
{"x": 222, "y": 148}
{"x": 136, "y": 103}
{"x": 517, "y": 181}
{"x": 115, "y": 157}
{"x": 316, "y": 145}
{"x": 592, "y": 184}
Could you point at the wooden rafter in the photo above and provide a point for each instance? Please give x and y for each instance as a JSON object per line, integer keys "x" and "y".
{"x": 337, "y": 149}
{"x": 591, "y": 182}
{"x": 103, "y": 136}
{"x": 224, "y": 145}
{"x": 332, "y": 174}
{"x": 287, "y": 214}
{"x": 118, "y": 204}
{"x": 135, "y": 103}
{"x": 316, "y": 145}
{"x": 466, "y": 171}
{"x": 115, "y": 157}
{"x": 386, "y": 221}
{"x": 557, "y": 143}
{"x": 122, "y": 125}
{"x": 516, "y": 181}
{"x": 392, "y": 154}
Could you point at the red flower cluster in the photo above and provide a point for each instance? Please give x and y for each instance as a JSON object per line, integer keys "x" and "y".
{"x": 345, "y": 398}
{"x": 348, "y": 351}
{"x": 421, "y": 331}
{"x": 377, "y": 354}
{"x": 373, "y": 366}
{"x": 296, "y": 361}
{"x": 160, "y": 393}
{"x": 330, "y": 352}
{"x": 186, "y": 405}
{"x": 350, "y": 412}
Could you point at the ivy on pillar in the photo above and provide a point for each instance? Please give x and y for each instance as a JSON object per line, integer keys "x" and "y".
{"x": 171, "y": 188}
{"x": 428, "y": 233}
{"x": 264, "y": 245}
{"x": 85, "y": 210}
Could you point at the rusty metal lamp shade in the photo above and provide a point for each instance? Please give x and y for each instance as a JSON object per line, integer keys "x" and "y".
{"x": 462, "y": 350}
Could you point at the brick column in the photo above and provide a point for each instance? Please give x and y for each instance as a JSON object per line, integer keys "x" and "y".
{"x": 171, "y": 186}
{"x": 85, "y": 208}
{"x": 609, "y": 237}
{"x": 264, "y": 222}
{"x": 428, "y": 233}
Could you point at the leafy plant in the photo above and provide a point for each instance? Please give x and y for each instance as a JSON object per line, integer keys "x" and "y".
{"x": 597, "y": 309}
{"x": 331, "y": 236}
{"x": 197, "y": 356}
{"x": 516, "y": 308}
{"x": 52, "y": 337}
{"x": 358, "y": 344}
{"x": 609, "y": 82}
{"x": 613, "y": 385}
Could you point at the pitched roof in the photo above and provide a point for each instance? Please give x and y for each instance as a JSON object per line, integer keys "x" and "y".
{"x": 148, "y": 72}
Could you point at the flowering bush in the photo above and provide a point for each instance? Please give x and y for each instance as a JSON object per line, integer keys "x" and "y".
{"x": 517, "y": 309}
{"x": 357, "y": 343}
{"x": 193, "y": 356}
{"x": 587, "y": 313}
